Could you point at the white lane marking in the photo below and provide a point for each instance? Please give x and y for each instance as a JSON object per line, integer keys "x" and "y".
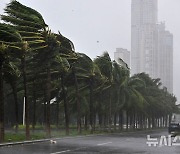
{"x": 79, "y": 148}
{"x": 61, "y": 152}
{"x": 69, "y": 150}
{"x": 104, "y": 143}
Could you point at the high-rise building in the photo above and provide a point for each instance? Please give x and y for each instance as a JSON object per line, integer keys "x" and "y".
{"x": 150, "y": 43}
{"x": 143, "y": 36}
{"x": 124, "y": 54}
{"x": 165, "y": 57}
{"x": 144, "y": 12}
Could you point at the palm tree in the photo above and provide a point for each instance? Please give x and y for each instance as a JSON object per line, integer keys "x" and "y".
{"x": 74, "y": 77}
{"x": 2, "y": 58}
{"x": 160, "y": 102}
{"x": 133, "y": 98}
{"x": 105, "y": 65}
{"x": 50, "y": 67}
{"x": 11, "y": 75}
{"x": 118, "y": 78}
{"x": 80, "y": 74}
{"x": 8, "y": 43}
{"x": 29, "y": 23}
{"x": 38, "y": 37}
{"x": 88, "y": 74}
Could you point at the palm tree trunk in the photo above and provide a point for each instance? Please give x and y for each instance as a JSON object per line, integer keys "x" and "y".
{"x": 153, "y": 122}
{"x": 45, "y": 100}
{"x": 166, "y": 120}
{"x": 100, "y": 112}
{"x": 134, "y": 120}
{"x": 57, "y": 115}
{"x": 149, "y": 123}
{"x": 78, "y": 103}
{"x": 23, "y": 61}
{"x": 14, "y": 88}
{"x": 100, "y": 119}
{"x": 110, "y": 108}
{"x": 48, "y": 94}
{"x": 91, "y": 106}
{"x": 1, "y": 105}
{"x": 170, "y": 118}
{"x": 34, "y": 107}
{"x": 66, "y": 111}
{"x": 127, "y": 119}
{"x": 130, "y": 119}
{"x": 94, "y": 119}
{"x": 115, "y": 121}
{"x": 86, "y": 122}
{"x": 105, "y": 121}
{"x": 120, "y": 120}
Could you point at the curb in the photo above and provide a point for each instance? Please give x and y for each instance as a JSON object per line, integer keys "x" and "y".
{"x": 23, "y": 142}
{"x": 45, "y": 140}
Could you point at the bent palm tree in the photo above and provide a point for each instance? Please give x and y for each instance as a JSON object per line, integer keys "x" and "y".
{"x": 31, "y": 26}
{"x": 105, "y": 65}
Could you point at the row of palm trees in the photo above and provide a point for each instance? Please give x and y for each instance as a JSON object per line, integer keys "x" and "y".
{"x": 38, "y": 65}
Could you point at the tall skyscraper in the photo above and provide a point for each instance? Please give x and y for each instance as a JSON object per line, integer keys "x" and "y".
{"x": 143, "y": 35}
{"x": 124, "y": 54}
{"x": 150, "y": 42}
{"x": 165, "y": 57}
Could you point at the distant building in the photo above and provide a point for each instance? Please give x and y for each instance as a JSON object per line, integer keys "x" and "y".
{"x": 124, "y": 54}
{"x": 151, "y": 44}
{"x": 143, "y": 36}
{"x": 165, "y": 57}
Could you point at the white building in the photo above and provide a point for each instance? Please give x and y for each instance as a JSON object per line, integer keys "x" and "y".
{"x": 124, "y": 54}
{"x": 150, "y": 43}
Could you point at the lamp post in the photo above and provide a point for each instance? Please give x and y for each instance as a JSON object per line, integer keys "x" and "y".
{"x": 24, "y": 112}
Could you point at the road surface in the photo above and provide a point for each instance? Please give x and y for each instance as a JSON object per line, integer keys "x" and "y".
{"x": 123, "y": 143}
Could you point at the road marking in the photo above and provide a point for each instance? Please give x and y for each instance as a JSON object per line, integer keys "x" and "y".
{"x": 104, "y": 143}
{"x": 61, "y": 152}
{"x": 80, "y": 148}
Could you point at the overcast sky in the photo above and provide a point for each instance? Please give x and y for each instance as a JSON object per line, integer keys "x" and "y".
{"x": 95, "y": 26}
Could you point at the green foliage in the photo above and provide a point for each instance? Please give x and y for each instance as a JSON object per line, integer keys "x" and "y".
{"x": 54, "y": 70}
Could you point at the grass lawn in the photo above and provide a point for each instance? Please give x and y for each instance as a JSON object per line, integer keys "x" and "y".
{"x": 11, "y": 136}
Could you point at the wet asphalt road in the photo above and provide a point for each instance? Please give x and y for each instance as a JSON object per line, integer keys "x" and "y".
{"x": 124, "y": 143}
